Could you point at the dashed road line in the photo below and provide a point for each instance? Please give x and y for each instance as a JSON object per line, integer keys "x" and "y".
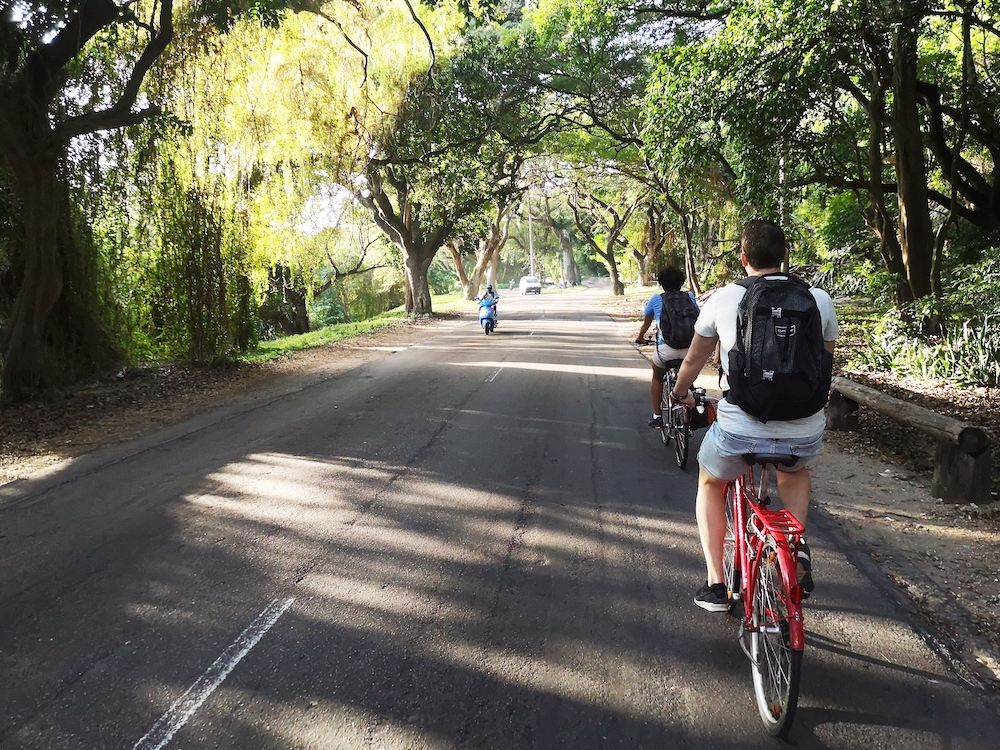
{"x": 185, "y": 706}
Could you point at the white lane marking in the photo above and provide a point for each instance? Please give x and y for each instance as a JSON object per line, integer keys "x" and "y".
{"x": 493, "y": 376}
{"x": 185, "y": 706}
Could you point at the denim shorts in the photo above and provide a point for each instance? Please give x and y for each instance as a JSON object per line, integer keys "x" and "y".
{"x": 721, "y": 454}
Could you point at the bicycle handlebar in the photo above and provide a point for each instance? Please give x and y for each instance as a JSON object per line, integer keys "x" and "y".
{"x": 701, "y": 398}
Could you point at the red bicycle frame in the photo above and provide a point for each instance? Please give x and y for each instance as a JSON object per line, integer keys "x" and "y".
{"x": 753, "y": 523}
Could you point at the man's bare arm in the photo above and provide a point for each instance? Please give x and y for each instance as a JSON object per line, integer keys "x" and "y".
{"x": 701, "y": 349}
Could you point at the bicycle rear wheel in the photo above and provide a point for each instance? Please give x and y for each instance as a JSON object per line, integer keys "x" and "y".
{"x": 681, "y": 428}
{"x": 730, "y": 564}
{"x": 776, "y": 666}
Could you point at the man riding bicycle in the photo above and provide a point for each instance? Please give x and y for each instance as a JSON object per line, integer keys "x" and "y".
{"x": 736, "y": 432}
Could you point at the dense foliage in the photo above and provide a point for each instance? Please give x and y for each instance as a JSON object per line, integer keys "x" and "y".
{"x": 180, "y": 182}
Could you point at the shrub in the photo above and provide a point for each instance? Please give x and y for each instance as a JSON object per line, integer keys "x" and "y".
{"x": 964, "y": 343}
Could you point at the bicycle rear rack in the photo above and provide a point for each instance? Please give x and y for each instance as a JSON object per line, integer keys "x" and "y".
{"x": 777, "y": 523}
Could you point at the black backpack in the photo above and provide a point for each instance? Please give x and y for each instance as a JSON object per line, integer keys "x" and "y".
{"x": 677, "y": 316}
{"x": 779, "y": 367}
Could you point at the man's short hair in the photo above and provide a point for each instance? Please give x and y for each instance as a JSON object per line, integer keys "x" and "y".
{"x": 671, "y": 277}
{"x": 763, "y": 242}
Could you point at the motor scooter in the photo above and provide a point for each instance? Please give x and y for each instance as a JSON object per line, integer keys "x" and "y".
{"x": 487, "y": 315}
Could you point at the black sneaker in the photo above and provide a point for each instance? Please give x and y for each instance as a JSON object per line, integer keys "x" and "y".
{"x": 714, "y": 598}
{"x": 656, "y": 422}
{"x": 804, "y": 569}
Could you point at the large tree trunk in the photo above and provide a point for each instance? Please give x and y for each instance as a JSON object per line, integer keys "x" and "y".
{"x": 690, "y": 267}
{"x": 454, "y": 247}
{"x": 399, "y": 219}
{"x": 488, "y": 254}
{"x": 285, "y": 304}
{"x": 916, "y": 233}
{"x": 53, "y": 334}
{"x": 491, "y": 272}
{"x": 418, "y": 296}
{"x": 41, "y": 271}
{"x": 617, "y": 286}
{"x": 486, "y": 258}
{"x": 653, "y": 239}
{"x": 878, "y": 217}
{"x": 570, "y": 269}
{"x": 612, "y": 231}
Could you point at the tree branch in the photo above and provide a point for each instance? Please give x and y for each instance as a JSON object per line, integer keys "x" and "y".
{"x": 311, "y": 6}
{"x": 430, "y": 42}
{"x": 121, "y": 114}
{"x": 40, "y": 72}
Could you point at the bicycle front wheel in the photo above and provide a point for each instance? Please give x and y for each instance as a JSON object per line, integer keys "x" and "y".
{"x": 776, "y": 666}
{"x": 682, "y": 434}
{"x": 666, "y": 408}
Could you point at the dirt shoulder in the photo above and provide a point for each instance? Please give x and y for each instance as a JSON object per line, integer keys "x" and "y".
{"x": 47, "y": 433}
{"x": 872, "y": 489}
{"x": 873, "y": 492}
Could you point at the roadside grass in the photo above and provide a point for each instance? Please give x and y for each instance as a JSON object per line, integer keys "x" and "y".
{"x": 269, "y": 350}
{"x": 554, "y": 289}
{"x": 452, "y": 303}
{"x": 856, "y": 318}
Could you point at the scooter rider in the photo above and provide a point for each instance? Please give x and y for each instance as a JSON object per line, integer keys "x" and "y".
{"x": 491, "y": 297}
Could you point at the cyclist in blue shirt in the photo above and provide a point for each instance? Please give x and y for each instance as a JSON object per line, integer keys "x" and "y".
{"x": 670, "y": 278}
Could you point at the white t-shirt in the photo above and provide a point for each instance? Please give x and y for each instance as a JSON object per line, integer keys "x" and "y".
{"x": 718, "y": 318}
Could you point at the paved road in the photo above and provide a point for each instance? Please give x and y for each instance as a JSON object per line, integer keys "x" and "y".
{"x": 471, "y": 543}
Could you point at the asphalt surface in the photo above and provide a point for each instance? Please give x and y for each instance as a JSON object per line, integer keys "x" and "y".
{"x": 474, "y": 542}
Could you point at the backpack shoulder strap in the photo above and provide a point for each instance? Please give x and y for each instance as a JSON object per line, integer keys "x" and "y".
{"x": 748, "y": 282}
{"x": 800, "y": 282}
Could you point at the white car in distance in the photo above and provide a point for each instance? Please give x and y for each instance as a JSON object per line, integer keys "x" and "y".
{"x": 530, "y": 285}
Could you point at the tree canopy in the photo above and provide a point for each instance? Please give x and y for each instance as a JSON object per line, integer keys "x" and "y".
{"x": 180, "y": 179}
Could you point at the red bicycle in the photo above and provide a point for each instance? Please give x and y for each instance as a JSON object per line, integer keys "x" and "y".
{"x": 759, "y": 554}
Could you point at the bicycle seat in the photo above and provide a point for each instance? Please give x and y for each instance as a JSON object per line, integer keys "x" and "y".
{"x": 778, "y": 459}
{"x": 673, "y": 364}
